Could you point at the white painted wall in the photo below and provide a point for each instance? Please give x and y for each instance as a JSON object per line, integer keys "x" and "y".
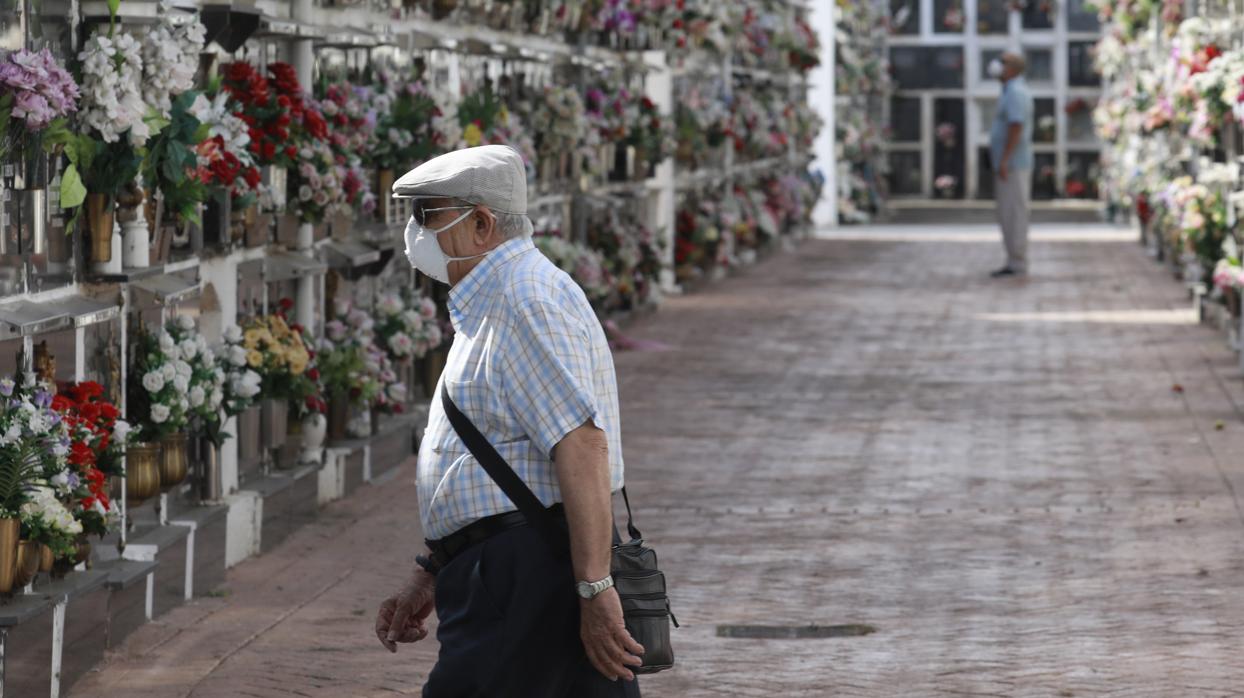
{"x": 821, "y": 96}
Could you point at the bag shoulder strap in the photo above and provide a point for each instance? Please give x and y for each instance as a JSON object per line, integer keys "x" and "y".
{"x": 502, "y": 474}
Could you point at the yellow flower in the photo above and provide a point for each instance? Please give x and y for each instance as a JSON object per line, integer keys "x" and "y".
{"x": 254, "y": 358}
{"x": 472, "y": 135}
{"x": 279, "y": 328}
{"x": 297, "y": 365}
{"x": 250, "y": 337}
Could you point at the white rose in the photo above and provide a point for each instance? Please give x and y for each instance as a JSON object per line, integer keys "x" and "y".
{"x": 189, "y": 349}
{"x": 217, "y": 398}
{"x": 169, "y": 371}
{"x": 153, "y": 381}
{"x": 185, "y": 322}
{"x": 237, "y": 356}
{"x": 196, "y": 396}
{"x": 166, "y": 342}
{"x": 159, "y": 413}
{"x": 181, "y": 384}
{"x": 120, "y": 430}
{"x": 233, "y": 334}
{"x": 183, "y": 369}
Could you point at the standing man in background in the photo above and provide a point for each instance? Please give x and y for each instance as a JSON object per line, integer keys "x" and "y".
{"x": 1010, "y": 148}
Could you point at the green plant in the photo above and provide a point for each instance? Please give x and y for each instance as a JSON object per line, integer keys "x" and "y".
{"x": 170, "y": 160}
{"x": 19, "y": 464}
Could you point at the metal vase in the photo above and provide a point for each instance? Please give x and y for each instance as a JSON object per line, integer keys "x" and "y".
{"x": 142, "y": 472}
{"x": 173, "y": 462}
{"x": 46, "y": 559}
{"x": 99, "y": 226}
{"x": 274, "y": 422}
{"x": 211, "y": 487}
{"x": 248, "y": 434}
{"x": 29, "y": 555}
{"x": 10, "y": 531}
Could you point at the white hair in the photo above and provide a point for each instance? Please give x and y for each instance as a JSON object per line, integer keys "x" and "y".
{"x": 512, "y": 226}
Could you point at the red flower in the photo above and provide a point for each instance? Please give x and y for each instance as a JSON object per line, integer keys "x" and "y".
{"x": 286, "y": 304}
{"x": 251, "y": 175}
{"x": 60, "y": 403}
{"x": 313, "y": 374}
{"x": 88, "y": 502}
{"x": 297, "y": 328}
{"x": 104, "y": 441}
{"x": 397, "y": 408}
{"x": 81, "y": 454}
{"x": 291, "y": 152}
{"x": 90, "y": 411}
{"x": 268, "y": 150}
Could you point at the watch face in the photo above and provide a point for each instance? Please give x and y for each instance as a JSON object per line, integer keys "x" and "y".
{"x": 584, "y": 589}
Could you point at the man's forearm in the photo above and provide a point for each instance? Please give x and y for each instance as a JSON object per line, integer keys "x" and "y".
{"x": 581, "y": 460}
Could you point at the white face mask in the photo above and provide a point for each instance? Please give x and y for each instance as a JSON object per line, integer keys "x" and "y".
{"x": 995, "y": 69}
{"x": 425, "y": 253}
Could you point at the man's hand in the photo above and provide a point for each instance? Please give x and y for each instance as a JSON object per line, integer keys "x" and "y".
{"x": 401, "y": 616}
{"x": 609, "y": 646}
{"x": 1002, "y": 171}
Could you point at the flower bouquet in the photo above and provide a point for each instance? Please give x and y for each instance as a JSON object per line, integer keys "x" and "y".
{"x": 36, "y": 97}
{"x": 406, "y": 326}
{"x": 278, "y": 352}
{"x": 585, "y": 265}
{"x": 97, "y": 441}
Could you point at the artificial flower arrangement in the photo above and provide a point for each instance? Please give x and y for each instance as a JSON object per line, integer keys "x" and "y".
{"x": 278, "y": 352}
{"x": 584, "y": 264}
{"x": 205, "y": 393}
{"x": 353, "y": 367}
{"x": 560, "y": 122}
{"x": 406, "y": 326}
{"x": 410, "y": 125}
{"x": 351, "y": 129}
{"x": 223, "y": 158}
{"x": 97, "y": 440}
{"x": 37, "y": 484}
{"x": 157, "y": 399}
{"x": 171, "y": 161}
{"x": 37, "y": 95}
{"x": 631, "y": 256}
{"x": 485, "y": 120}
{"x": 1199, "y": 216}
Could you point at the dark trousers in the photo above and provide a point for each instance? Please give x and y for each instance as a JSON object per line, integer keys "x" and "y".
{"x": 509, "y": 626}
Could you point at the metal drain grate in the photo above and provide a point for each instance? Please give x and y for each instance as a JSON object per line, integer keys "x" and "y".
{"x": 794, "y": 632}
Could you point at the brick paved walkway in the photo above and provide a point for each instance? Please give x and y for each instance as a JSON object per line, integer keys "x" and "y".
{"x": 997, "y": 476}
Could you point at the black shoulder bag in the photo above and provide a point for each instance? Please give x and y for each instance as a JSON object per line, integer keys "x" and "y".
{"x": 640, "y": 585}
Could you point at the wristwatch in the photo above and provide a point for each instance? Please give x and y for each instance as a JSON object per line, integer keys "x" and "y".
{"x": 590, "y": 590}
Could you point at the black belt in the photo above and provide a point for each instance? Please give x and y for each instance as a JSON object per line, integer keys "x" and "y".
{"x": 454, "y": 544}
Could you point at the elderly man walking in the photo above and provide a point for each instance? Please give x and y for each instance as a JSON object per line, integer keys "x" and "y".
{"x": 1010, "y": 146}
{"x": 531, "y": 368}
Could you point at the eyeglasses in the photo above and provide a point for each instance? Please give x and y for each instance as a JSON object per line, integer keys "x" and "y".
{"x": 422, "y": 215}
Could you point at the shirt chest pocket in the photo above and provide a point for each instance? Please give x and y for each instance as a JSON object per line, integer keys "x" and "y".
{"x": 481, "y": 402}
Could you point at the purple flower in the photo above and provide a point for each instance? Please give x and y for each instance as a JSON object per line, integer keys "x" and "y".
{"x": 34, "y": 108}
{"x": 42, "y": 399}
{"x": 74, "y": 481}
{"x": 6, "y": 387}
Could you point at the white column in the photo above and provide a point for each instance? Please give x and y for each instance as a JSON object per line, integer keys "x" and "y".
{"x": 303, "y": 59}
{"x": 222, "y": 274}
{"x": 824, "y": 95}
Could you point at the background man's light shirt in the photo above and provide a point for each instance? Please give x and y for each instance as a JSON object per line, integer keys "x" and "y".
{"x": 1014, "y": 107}
{"x": 529, "y": 364}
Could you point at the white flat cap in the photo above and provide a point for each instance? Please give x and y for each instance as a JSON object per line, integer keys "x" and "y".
{"x": 490, "y": 175}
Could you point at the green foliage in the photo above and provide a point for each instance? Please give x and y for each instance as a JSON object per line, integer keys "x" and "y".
{"x": 481, "y": 108}
{"x": 170, "y": 160}
{"x": 19, "y": 464}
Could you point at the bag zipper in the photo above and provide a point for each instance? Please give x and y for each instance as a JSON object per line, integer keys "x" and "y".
{"x": 647, "y": 613}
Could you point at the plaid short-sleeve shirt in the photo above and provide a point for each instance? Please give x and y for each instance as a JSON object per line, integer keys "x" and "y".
{"x": 529, "y": 364}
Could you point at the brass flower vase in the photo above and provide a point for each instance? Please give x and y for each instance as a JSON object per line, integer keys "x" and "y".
{"x": 29, "y": 556}
{"x": 10, "y": 532}
{"x": 99, "y": 221}
{"x": 46, "y": 559}
{"x": 142, "y": 472}
{"x": 173, "y": 465}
